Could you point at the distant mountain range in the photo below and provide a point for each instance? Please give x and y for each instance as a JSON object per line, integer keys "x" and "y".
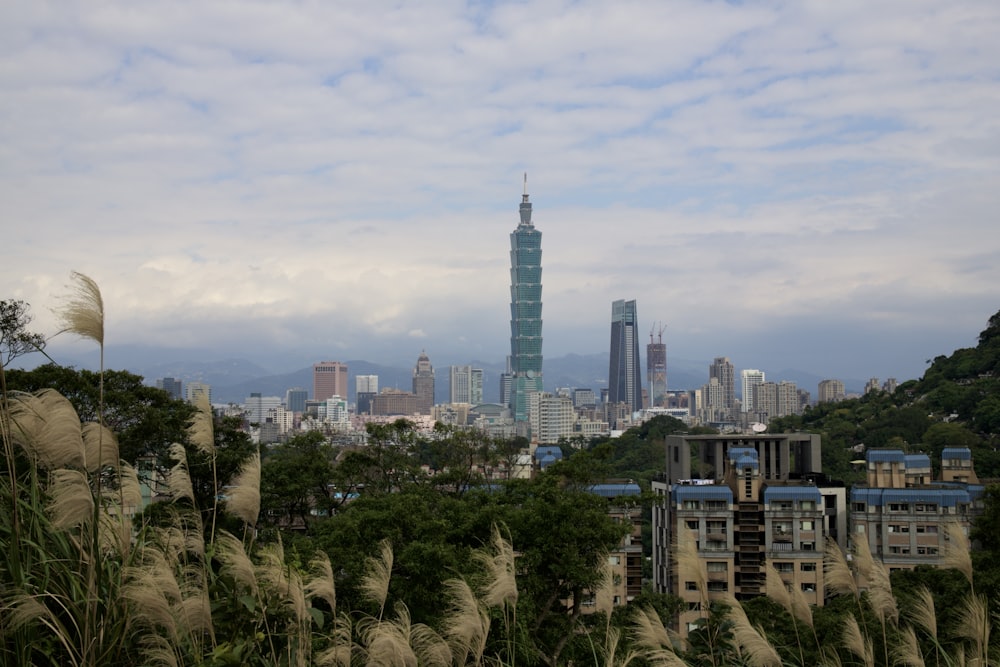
{"x": 233, "y": 380}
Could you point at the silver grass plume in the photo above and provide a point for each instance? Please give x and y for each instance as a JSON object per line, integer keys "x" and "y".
{"x": 342, "y": 645}
{"x": 654, "y": 640}
{"x": 72, "y": 500}
{"x": 922, "y": 612}
{"x": 47, "y": 428}
{"x": 321, "y": 583}
{"x": 837, "y": 574}
{"x": 387, "y": 643}
{"x": 201, "y": 431}
{"x": 907, "y": 651}
{"x": 83, "y": 312}
{"x": 152, "y": 592}
{"x": 270, "y": 570}
{"x": 100, "y": 446}
{"x": 178, "y": 478}
{"x": 499, "y": 563}
{"x": 243, "y": 494}
{"x": 131, "y": 489}
{"x": 430, "y": 648}
{"x": 690, "y": 567}
{"x": 375, "y": 584}
{"x": 855, "y": 642}
{"x": 755, "y": 647}
{"x": 235, "y": 561}
{"x": 956, "y": 550}
{"x": 467, "y": 622}
{"x": 611, "y": 642}
{"x": 974, "y": 625}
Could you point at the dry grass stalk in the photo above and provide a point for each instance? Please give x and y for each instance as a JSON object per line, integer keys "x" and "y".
{"x": 235, "y": 561}
{"x": 340, "y": 653}
{"x": 864, "y": 563}
{"x": 611, "y": 658}
{"x": 974, "y": 625}
{"x": 907, "y": 652}
{"x": 375, "y": 584}
{"x": 83, "y": 312}
{"x": 655, "y": 641}
{"x": 855, "y": 642}
{"x": 956, "y": 550}
{"x": 430, "y": 648}
{"x": 115, "y": 533}
{"x": 754, "y": 645}
{"x": 46, "y": 426}
{"x": 387, "y": 643}
{"x": 922, "y": 612}
{"x": 201, "y": 431}
{"x": 321, "y": 583}
{"x": 131, "y": 489}
{"x": 689, "y": 566}
{"x": 72, "y": 500}
{"x": 100, "y": 446}
{"x": 776, "y": 590}
{"x": 152, "y": 591}
{"x": 501, "y": 586}
{"x": 467, "y": 623}
{"x": 178, "y": 478}
{"x": 880, "y": 593}
{"x": 271, "y": 569}
{"x": 158, "y": 651}
{"x": 243, "y": 495}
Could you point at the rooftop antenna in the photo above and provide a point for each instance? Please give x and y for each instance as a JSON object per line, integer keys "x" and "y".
{"x": 525, "y": 182}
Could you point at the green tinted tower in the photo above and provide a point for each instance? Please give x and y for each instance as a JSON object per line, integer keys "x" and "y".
{"x": 525, "y": 310}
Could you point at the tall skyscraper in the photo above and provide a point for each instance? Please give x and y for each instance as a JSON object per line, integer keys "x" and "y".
{"x": 195, "y": 390}
{"x": 723, "y": 370}
{"x": 656, "y": 369}
{"x": 525, "y": 310}
{"x": 295, "y": 399}
{"x": 423, "y": 384}
{"x": 748, "y": 378}
{"x": 329, "y": 379}
{"x": 624, "y": 373}
{"x": 831, "y": 390}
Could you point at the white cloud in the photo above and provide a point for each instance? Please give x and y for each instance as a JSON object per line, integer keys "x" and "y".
{"x": 307, "y": 176}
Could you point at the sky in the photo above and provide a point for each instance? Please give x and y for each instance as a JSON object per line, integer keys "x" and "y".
{"x": 808, "y": 185}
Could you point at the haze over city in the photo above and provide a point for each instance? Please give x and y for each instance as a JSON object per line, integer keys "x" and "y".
{"x": 790, "y": 185}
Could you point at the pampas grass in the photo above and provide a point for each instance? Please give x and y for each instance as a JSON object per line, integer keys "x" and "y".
{"x": 243, "y": 494}
{"x": 656, "y": 642}
{"x": 375, "y": 584}
{"x": 466, "y": 625}
{"x": 72, "y": 501}
{"x": 83, "y": 310}
{"x": 753, "y": 645}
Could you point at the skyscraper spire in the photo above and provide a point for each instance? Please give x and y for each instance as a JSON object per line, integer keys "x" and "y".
{"x": 525, "y": 204}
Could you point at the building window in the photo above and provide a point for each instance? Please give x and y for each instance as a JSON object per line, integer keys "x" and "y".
{"x": 899, "y": 550}
{"x": 859, "y": 528}
{"x": 716, "y": 505}
{"x": 717, "y": 566}
{"x": 781, "y": 528}
{"x": 930, "y": 530}
{"x": 694, "y": 606}
{"x": 807, "y": 567}
{"x": 690, "y": 504}
{"x": 784, "y": 568}
{"x": 693, "y": 525}
{"x": 899, "y": 528}
{"x": 718, "y": 586}
{"x": 808, "y": 587}
{"x": 807, "y": 525}
{"x": 858, "y": 507}
{"x": 927, "y": 551}
{"x": 614, "y": 560}
{"x": 715, "y": 545}
{"x": 781, "y": 505}
{"x": 926, "y": 507}
{"x": 808, "y": 505}
{"x": 899, "y": 507}
{"x": 808, "y": 546}
{"x": 690, "y": 586}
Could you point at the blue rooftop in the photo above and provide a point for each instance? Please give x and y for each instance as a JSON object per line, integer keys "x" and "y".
{"x": 703, "y": 492}
{"x": 917, "y": 461}
{"x": 744, "y": 457}
{"x": 616, "y": 490}
{"x": 773, "y": 493}
{"x": 885, "y": 456}
{"x": 945, "y": 497}
{"x": 963, "y": 453}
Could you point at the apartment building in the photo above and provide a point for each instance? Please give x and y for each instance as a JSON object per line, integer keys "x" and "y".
{"x": 906, "y": 515}
{"x": 758, "y": 501}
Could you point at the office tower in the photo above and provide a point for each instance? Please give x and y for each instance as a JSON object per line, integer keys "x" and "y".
{"x": 258, "y": 407}
{"x": 830, "y": 391}
{"x": 295, "y": 399}
{"x": 890, "y": 385}
{"x": 525, "y": 310}
{"x": 871, "y": 386}
{"x": 394, "y": 402}
{"x": 366, "y": 384}
{"x": 724, "y": 370}
{"x": 466, "y": 385}
{"x": 423, "y": 384}
{"x": 656, "y": 369}
{"x": 329, "y": 379}
{"x": 194, "y": 390}
{"x": 749, "y": 378}
{"x": 170, "y": 385}
{"x": 624, "y": 376}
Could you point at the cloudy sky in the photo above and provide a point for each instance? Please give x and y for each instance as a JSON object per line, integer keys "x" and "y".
{"x": 810, "y": 185}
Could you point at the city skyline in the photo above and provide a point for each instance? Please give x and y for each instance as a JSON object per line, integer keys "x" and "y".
{"x": 792, "y": 186}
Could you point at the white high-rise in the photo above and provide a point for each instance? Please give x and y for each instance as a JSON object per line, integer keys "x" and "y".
{"x": 748, "y": 379}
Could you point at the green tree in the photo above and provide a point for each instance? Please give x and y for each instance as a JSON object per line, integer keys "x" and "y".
{"x": 296, "y": 482}
{"x": 15, "y": 339}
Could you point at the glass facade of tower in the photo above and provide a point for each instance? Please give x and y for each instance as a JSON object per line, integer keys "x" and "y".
{"x": 624, "y": 374}
{"x": 525, "y": 312}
